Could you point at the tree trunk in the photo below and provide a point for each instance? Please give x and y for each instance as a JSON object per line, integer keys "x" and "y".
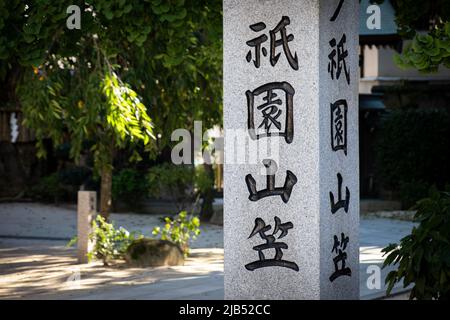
{"x": 207, "y": 210}
{"x": 105, "y": 191}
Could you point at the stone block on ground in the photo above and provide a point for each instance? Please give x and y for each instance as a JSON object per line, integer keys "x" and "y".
{"x": 153, "y": 253}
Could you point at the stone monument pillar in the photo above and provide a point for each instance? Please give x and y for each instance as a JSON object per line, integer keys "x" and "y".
{"x": 86, "y": 211}
{"x": 291, "y": 218}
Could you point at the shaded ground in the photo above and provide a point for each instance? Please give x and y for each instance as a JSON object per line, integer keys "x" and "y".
{"x": 34, "y": 268}
{"x": 34, "y": 220}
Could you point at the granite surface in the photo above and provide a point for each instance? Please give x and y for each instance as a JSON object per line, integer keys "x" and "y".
{"x": 308, "y": 156}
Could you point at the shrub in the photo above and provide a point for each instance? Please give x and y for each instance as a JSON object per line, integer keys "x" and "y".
{"x": 48, "y": 188}
{"x": 412, "y": 149}
{"x": 61, "y": 185}
{"x": 130, "y": 186}
{"x": 411, "y": 192}
{"x": 423, "y": 257}
{"x": 173, "y": 182}
{"x": 109, "y": 243}
{"x": 204, "y": 184}
{"x": 74, "y": 176}
{"x": 183, "y": 184}
{"x": 180, "y": 230}
{"x": 203, "y": 180}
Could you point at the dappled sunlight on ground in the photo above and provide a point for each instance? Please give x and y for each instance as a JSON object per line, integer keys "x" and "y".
{"x": 35, "y": 264}
{"x": 39, "y": 272}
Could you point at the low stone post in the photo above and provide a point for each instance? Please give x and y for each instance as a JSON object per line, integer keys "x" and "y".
{"x": 86, "y": 211}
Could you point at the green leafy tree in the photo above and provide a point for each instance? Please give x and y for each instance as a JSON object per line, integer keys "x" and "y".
{"x": 423, "y": 257}
{"x": 431, "y": 48}
{"x": 130, "y": 60}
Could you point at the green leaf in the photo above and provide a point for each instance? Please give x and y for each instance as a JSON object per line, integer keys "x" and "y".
{"x": 127, "y": 8}
{"x": 161, "y": 9}
{"x": 108, "y": 14}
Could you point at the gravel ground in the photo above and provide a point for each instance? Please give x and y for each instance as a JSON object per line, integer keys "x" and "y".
{"x": 35, "y": 264}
